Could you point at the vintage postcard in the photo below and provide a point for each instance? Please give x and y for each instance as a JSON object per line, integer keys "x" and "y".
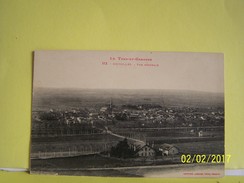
{"x": 128, "y": 114}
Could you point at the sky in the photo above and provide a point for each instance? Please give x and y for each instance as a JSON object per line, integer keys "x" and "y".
{"x": 170, "y": 70}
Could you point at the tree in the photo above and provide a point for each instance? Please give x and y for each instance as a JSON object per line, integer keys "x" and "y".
{"x": 122, "y": 150}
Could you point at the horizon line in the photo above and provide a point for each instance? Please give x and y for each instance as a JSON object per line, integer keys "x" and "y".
{"x": 76, "y": 88}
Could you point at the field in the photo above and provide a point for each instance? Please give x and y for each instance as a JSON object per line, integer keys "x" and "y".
{"x": 210, "y": 147}
{"x": 103, "y": 166}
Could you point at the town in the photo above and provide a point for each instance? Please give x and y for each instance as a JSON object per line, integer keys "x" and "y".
{"x": 148, "y": 129}
{"x": 97, "y": 120}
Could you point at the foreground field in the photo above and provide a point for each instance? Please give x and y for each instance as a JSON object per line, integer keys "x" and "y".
{"x": 151, "y": 170}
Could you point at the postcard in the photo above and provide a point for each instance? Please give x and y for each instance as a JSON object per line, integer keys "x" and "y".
{"x": 128, "y": 114}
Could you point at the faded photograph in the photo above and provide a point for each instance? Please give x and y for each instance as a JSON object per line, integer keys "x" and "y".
{"x": 128, "y": 114}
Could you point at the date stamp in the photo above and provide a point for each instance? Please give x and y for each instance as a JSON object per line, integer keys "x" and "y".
{"x": 204, "y": 158}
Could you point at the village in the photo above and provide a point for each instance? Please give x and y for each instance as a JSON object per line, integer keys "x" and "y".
{"x": 135, "y": 125}
{"x": 97, "y": 120}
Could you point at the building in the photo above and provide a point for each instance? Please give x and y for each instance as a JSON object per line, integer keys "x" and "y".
{"x": 134, "y": 116}
{"x": 168, "y": 149}
{"x": 146, "y": 151}
{"x": 104, "y": 109}
{"x": 200, "y": 133}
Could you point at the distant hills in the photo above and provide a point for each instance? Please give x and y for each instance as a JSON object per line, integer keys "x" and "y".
{"x": 46, "y": 98}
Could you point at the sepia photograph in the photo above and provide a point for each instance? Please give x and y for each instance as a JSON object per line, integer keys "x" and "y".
{"x": 128, "y": 114}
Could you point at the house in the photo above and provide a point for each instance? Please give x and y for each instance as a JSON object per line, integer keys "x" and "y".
{"x": 200, "y": 133}
{"x": 93, "y": 114}
{"x": 146, "y": 151}
{"x": 134, "y": 116}
{"x": 104, "y": 109}
{"x": 168, "y": 149}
